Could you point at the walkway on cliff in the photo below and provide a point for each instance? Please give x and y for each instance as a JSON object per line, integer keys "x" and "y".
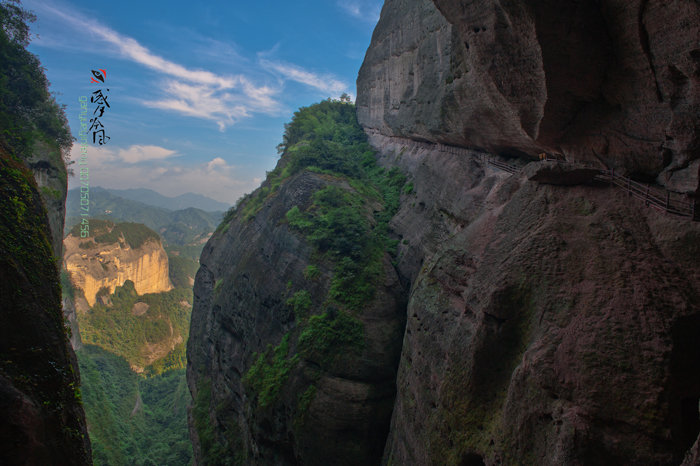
{"x": 653, "y": 196}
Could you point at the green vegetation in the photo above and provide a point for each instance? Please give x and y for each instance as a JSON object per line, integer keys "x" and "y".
{"x": 106, "y": 232}
{"x": 176, "y": 359}
{"x": 28, "y": 111}
{"x": 182, "y": 270}
{"x": 34, "y": 354}
{"x": 50, "y": 192}
{"x": 330, "y": 335}
{"x": 135, "y": 418}
{"x": 326, "y": 138}
{"x": 132, "y": 420}
{"x": 182, "y": 230}
{"x": 213, "y": 451}
{"x": 311, "y": 272}
{"x": 115, "y": 327}
{"x": 269, "y": 372}
{"x": 300, "y": 303}
{"x": 347, "y": 225}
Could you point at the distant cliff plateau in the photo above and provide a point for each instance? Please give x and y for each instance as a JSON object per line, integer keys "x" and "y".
{"x": 113, "y": 254}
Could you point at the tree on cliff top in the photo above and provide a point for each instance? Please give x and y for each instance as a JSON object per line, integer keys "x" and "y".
{"x": 28, "y": 111}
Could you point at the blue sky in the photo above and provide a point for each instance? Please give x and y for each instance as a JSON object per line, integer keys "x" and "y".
{"x": 199, "y": 94}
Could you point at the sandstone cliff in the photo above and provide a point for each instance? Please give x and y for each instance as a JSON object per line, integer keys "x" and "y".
{"x": 611, "y": 82}
{"x": 96, "y": 263}
{"x": 546, "y": 324}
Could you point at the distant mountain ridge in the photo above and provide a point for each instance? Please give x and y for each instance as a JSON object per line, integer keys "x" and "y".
{"x": 183, "y": 201}
{"x": 176, "y": 227}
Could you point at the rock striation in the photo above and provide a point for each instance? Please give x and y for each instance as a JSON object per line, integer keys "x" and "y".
{"x": 94, "y": 265}
{"x": 611, "y": 82}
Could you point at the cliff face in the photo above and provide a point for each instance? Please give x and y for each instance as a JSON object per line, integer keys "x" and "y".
{"x": 328, "y": 411}
{"x": 46, "y": 163}
{"x": 545, "y": 324}
{"x": 43, "y": 419}
{"x": 93, "y": 266}
{"x": 298, "y": 312}
{"x": 611, "y": 82}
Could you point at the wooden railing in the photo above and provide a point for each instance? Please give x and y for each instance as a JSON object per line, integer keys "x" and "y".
{"x": 653, "y": 196}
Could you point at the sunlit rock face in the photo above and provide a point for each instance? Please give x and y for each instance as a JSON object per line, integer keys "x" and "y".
{"x": 611, "y": 82}
{"x": 109, "y": 265}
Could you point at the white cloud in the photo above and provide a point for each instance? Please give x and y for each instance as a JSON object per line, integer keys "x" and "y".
{"x": 324, "y": 83}
{"x": 112, "y": 168}
{"x": 137, "y": 153}
{"x": 365, "y": 10}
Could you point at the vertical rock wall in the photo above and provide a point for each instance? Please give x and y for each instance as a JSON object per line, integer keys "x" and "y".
{"x": 611, "y": 82}
{"x": 43, "y": 419}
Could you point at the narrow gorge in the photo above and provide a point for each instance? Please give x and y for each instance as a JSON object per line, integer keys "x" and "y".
{"x": 401, "y": 304}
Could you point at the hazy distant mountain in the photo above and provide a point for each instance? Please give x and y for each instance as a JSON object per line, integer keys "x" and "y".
{"x": 183, "y": 201}
{"x": 176, "y": 227}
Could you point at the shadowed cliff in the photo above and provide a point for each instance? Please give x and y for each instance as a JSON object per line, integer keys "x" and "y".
{"x": 544, "y": 324}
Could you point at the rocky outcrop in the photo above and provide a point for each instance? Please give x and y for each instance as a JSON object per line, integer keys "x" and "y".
{"x": 611, "y": 82}
{"x": 50, "y": 174}
{"x": 93, "y": 266}
{"x": 326, "y": 412}
{"x": 43, "y": 419}
{"x": 546, "y": 324}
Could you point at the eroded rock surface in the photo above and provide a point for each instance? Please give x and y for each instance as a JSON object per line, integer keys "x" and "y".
{"x": 42, "y": 417}
{"x": 546, "y": 324}
{"x": 94, "y": 266}
{"x": 612, "y": 82}
{"x": 337, "y": 414}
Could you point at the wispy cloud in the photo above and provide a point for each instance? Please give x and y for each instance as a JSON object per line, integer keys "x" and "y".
{"x": 222, "y": 98}
{"x": 199, "y": 93}
{"x": 365, "y": 10}
{"x": 324, "y": 83}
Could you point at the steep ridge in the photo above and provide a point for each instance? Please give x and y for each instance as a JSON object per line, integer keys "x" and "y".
{"x": 298, "y": 312}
